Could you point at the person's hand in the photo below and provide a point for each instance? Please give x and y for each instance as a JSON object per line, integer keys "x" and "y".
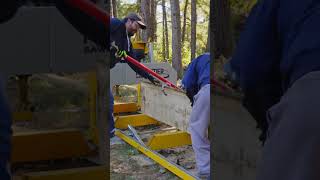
{"x": 179, "y": 84}
{"x": 156, "y": 82}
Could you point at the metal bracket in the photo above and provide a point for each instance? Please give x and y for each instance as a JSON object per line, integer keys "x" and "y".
{"x": 135, "y": 135}
{"x": 174, "y": 168}
{"x": 162, "y": 89}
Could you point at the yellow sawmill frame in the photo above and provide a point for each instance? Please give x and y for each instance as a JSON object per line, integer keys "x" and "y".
{"x": 87, "y": 173}
{"x": 178, "y": 171}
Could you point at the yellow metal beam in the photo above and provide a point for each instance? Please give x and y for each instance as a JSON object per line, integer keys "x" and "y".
{"x": 22, "y": 116}
{"x": 88, "y": 173}
{"x": 179, "y": 171}
{"x": 169, "y": 140}
{"x": 122, "y": 122}
{"x": 125, "y": 107}
{"x": 47, "y": 145}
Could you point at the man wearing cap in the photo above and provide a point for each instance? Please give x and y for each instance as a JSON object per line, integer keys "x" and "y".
{"x": 120, "y": 33}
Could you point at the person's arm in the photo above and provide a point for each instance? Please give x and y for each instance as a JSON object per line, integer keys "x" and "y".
{"x": 189, "y": 83}
{"x": 257, "y": 55}
{"x": 256, "y": 61}
{"x": 142, "y": 73}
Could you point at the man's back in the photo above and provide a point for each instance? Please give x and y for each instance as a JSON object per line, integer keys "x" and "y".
{"x": 269, "y": 47}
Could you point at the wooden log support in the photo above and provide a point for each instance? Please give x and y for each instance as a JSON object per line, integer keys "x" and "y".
{"x": 169, "y": 140}
{"x": 122, "y": 122}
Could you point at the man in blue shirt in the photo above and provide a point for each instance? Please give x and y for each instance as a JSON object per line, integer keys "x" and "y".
{"x": 277, "y": 63}
{"x": 120, "y": 33}
{"x": 196, "y": 82}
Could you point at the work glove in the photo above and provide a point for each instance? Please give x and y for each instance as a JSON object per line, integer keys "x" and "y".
{"x": 156, "y": 82}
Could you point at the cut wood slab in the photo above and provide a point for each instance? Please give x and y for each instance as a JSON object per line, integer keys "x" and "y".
{"x": 172, "y": 107}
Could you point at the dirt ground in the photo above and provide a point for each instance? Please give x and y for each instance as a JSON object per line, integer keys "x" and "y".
{"x": 128, "y": 163}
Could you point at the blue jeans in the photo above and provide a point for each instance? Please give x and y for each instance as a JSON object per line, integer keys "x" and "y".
{"x": 4, "y": 174}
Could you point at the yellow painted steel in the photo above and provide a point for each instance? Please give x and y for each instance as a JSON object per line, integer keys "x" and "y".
{"x": 169, "y": 140}
{"x": 87, "y": 173}
{"x": 140, "y": 45}
{"x": 122, "y": 122}
{"x": 47, "y": 145}
{"x": 93, "y": 131}
{"x": 156, "y": 157}
{"x": 125, "y": 107}
{"x": 22, "y": 116}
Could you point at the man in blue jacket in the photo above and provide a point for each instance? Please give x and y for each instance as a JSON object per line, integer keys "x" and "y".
{"x": 196, "y": 82}
{"x": 277, "y": 62}
{"x": 120, "y": 33}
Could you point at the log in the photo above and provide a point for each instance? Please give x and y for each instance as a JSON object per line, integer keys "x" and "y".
{"x": 172, "y": 107}
{"x": 236, "y": 148}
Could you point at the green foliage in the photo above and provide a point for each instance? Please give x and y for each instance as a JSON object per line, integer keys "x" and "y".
{"x": 242, "y": 7}
{"x": 124, "y": 8}
{"x": 203, "y": 11}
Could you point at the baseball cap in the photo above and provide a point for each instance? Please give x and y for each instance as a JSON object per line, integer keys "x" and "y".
{"x": 137, "y": 18}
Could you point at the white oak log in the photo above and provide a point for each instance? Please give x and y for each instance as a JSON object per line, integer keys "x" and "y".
{"x": 173, "y": 108}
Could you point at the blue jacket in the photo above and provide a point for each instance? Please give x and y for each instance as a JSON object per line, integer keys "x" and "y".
{"x": 197, "y": 75}
{"x": 280, "y": 43}
{"x": 118, "y": 35}
{"x": 5, "y": 124}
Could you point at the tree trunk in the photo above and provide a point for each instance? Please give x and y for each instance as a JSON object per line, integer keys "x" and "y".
{"x": 166, "y": 36}
{"x": 211, "y": 29}
{"x": 184, "y": 21}
{"x": 111, "y": 10}
{"x": 114, "y": 8}
{"x": 163, "y": 35}
{"x": 208, "y": 38}
{"x": 176, "y": 37}
{"x": 153, "y": 19}
{"x": 223, "y": 38}
{"x": 193, "y": 43}
{"x": 145, "y": 12}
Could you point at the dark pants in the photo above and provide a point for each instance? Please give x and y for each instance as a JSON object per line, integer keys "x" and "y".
{"x": 110, "y": 115}
{"x": 5, "y": 134}
{"x": 292, "y": 149}
{"x": 4, "y": 174}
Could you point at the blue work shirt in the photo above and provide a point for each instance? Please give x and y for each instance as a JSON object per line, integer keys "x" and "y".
{"x": 197, "y": 74}
{"x": 280, "y": 44}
